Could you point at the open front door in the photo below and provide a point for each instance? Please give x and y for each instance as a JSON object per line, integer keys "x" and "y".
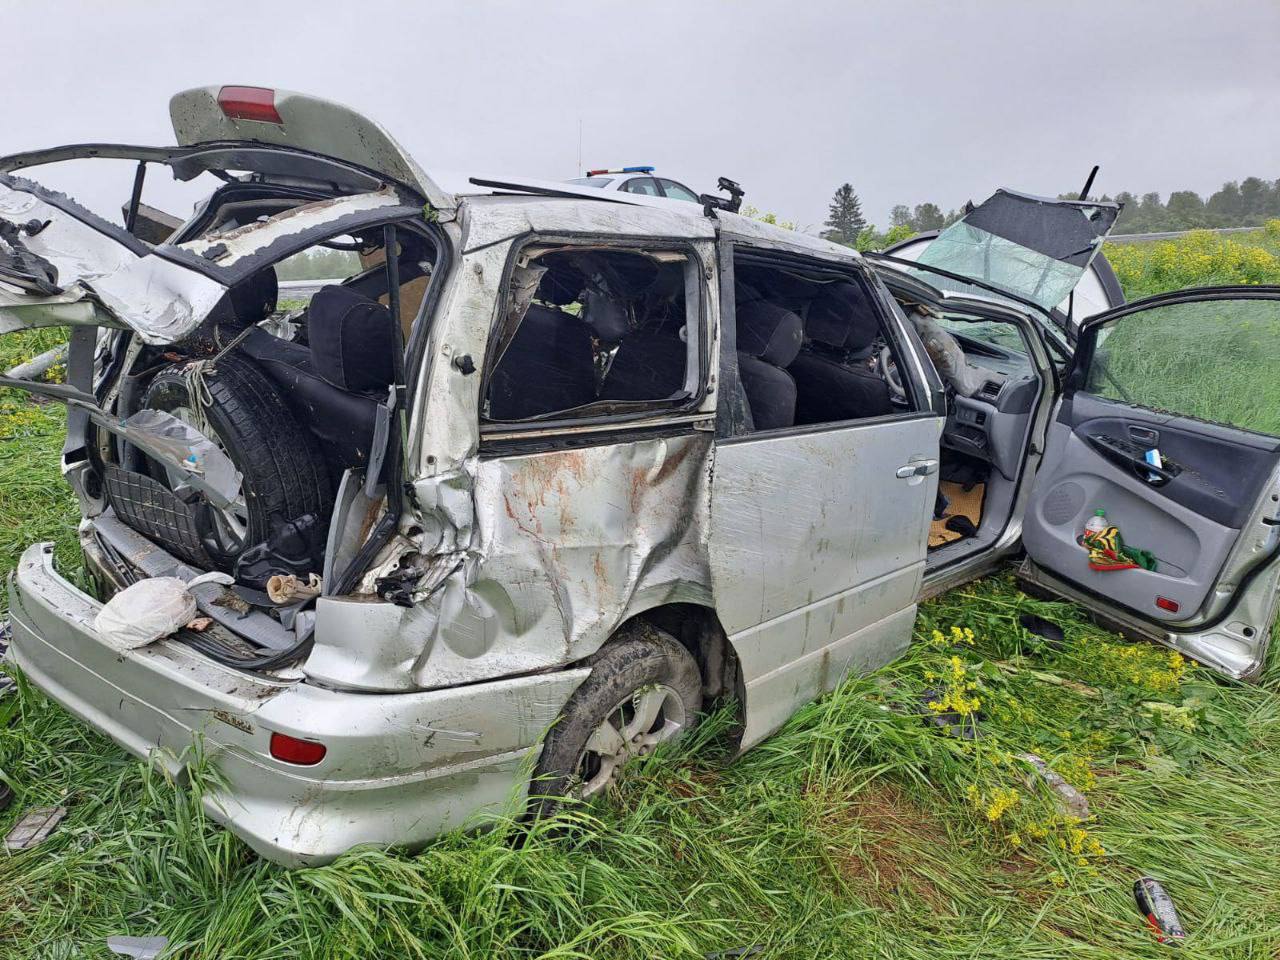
{"x": 1170, "y": 425}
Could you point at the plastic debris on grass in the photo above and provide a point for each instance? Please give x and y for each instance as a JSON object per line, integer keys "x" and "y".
{"x": 33, "y": 827}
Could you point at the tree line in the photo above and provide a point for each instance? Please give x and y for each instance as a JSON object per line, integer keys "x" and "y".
{"x": 1247, "y": 203}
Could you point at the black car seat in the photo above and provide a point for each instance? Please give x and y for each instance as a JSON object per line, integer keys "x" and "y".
{"x": 548, "y": 366}
{"x": 335, "y": 383}
{"x": 833, "y": 380}
{"x": 769, "y": 337}
{"x": 649, "y": 363}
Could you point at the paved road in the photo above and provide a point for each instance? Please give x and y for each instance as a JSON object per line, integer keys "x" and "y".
{"x": 1135, "y": 237}
{"x": 302, "y": 289}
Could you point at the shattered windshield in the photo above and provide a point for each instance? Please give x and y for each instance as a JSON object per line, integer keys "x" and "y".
{"x": 1034, "y": 248}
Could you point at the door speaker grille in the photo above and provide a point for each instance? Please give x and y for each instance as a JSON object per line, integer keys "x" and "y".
{"x": 1063, "y": 504}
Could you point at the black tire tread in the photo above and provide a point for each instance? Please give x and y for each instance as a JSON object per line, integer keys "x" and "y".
{"x": 638, "y": 654}
{"x": 284, "y": 472}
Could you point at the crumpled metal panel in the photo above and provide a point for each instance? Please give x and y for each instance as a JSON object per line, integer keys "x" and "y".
{"x": 566, "y": 545}
{"x": 531, "y": 560}
{"x": 161, "y": 300}
{"x": 228, "y": 247}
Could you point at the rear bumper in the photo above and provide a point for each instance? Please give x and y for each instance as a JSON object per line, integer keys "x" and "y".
{"x": 399, "y": 769}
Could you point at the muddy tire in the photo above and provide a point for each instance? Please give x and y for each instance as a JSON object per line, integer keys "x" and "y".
{"x": 644, "y": 689}
{"x": 284, "y": 475}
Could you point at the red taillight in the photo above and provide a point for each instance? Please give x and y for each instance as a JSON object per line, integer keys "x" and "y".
{"x": 305, "y": 753}
{"x": 1164, "y": 603}
{"x": 249, "y": 103}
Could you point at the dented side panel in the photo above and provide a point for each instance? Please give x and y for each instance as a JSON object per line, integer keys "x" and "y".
{"x": 530, "y": 560}
{"x": 563, "y": 547}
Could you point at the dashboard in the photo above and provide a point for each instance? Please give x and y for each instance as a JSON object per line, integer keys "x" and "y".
{"x": 992, "y": 424}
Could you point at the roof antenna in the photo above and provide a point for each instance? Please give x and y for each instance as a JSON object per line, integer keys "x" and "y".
{"x": 1084, "y": 194}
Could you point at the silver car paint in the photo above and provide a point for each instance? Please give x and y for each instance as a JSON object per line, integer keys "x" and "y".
{"x": 309, "y": 123}
{"x": 103, "y": 281}
{"x": 399, "y": 769}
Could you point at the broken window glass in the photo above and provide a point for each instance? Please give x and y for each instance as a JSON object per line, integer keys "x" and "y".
{"x": 1034, "y": 248}
{"x": 591, "y": 327}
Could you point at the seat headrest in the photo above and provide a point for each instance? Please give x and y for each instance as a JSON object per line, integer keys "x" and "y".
{"x": 842, "y": 317}
{"x": 352, "y": 340}
{"x": 770, "y": 332}
{"x": 254, "y": 298}
{"x": 608, "y": 317}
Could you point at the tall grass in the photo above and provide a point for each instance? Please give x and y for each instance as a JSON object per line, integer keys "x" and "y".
{"x": 1199, "y": 259}
{"x": 1217, "y": 361}
{"x": 859, "y": 830}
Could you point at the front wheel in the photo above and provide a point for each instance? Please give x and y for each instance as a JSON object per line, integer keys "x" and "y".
{"x": 644, "y": 689}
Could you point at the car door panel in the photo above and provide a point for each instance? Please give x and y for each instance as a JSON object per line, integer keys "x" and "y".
{"x": 1190, "y": 547}
{"x": 1208, "y": 512}
{"x": 815, "y": 540}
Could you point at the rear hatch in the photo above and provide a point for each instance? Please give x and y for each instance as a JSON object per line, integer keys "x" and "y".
{"x": 61, "y": 264}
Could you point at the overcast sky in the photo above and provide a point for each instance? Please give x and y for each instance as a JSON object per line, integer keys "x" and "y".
{"x": 908, "y": 101}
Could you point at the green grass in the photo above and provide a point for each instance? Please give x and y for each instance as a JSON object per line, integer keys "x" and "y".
{"x": 1213, "y": 360}
{"x": 857, "y": 831}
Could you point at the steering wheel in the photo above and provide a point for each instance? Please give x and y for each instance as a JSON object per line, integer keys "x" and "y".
{"x": 892, "y": 376}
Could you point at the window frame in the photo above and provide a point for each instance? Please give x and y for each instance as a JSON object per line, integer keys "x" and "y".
{"x": 662, "y": 185}
{"x": 605, "y": 416}
{"x": 914, "y": 376}
{"x": 625, "y": 186}
{"x": 1076, "y": 379}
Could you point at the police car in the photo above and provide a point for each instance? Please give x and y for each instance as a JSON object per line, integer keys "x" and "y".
{"x": 636, "y": 180}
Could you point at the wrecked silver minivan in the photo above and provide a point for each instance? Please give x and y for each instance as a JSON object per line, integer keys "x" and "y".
{"x": 563, "y": 466}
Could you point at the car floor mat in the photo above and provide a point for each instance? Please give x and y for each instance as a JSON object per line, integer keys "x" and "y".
{"x": 961, "y": 503}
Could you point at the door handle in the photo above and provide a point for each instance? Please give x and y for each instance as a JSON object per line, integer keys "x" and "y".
{"x": 921, "y": 468}
{"x": 1144, "y": 435}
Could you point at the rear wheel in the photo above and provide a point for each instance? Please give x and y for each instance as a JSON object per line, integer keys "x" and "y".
{"x": 644, "y": 689}
{"x": 283, "y": 474}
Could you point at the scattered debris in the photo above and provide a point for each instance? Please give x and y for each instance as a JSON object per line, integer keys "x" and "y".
{"x": 150, "y": 609}
{"x": 293, "y": 546}
{"x": 142, "y": 948}
{"x": 1157, "y": 906}
{"x": 1068, "y": 799}
{"x": 200, "y": 624}
{"x": 287, "y": 588}
{"x": 1051, "y": 678}
{"x": 1041, "y": 627}
{"x": 232, "y": 601}
{"x": 38, "y": 366}
{"x": 754, "y": 950}
{"x": 34, "y": 826}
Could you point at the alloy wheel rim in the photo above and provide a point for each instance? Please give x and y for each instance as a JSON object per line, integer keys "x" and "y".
{"x": 645, "y": 718}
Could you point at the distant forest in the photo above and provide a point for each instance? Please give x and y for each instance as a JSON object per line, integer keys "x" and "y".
{"x": 1248, "y": 203}
{"x": 318, "y": 264}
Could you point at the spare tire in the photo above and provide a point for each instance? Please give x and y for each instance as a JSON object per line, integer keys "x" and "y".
{"x": 283, "y": 474}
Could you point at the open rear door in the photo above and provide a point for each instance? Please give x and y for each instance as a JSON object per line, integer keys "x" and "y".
{"x": 1170, "y": 425}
